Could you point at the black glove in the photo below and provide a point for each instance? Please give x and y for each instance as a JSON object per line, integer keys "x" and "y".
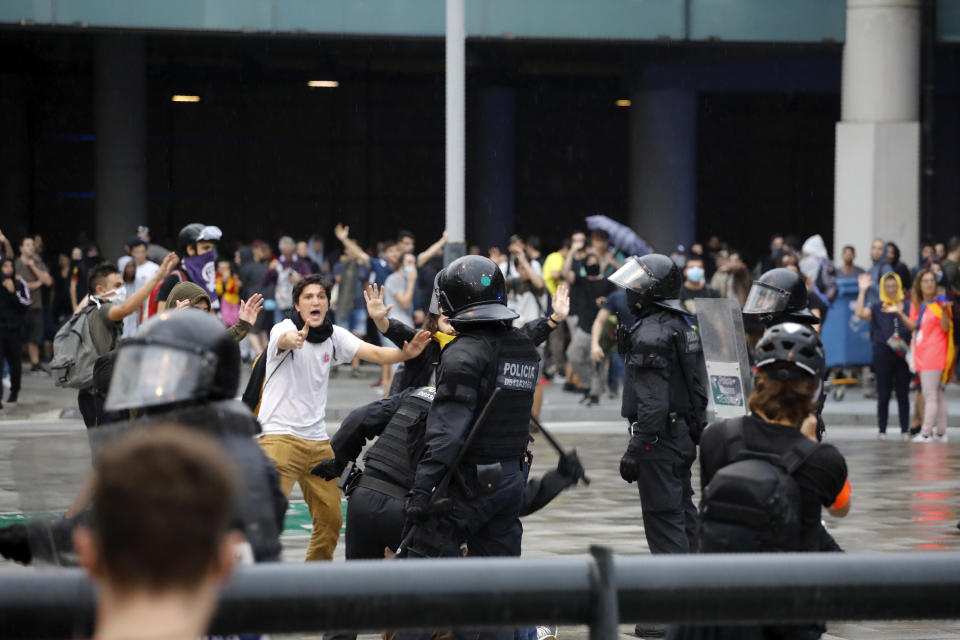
{"x": 417, "y": 508}
{"x": 329, "y": 469}
{"x": 15, "y": 544}
{"x": 570, "y": 466}
{"x": 628, "y": 463}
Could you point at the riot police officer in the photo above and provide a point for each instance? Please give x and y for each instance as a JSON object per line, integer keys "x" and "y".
{"x": 487, "y": 358}
{"x": 663, "y": 399}
{"x": 779, "y": 295}
{"x": 183, "y": 367}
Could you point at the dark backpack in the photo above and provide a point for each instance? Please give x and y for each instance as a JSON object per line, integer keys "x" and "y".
{"x": 752, "y": 504}
{"x": 253, "y": 393}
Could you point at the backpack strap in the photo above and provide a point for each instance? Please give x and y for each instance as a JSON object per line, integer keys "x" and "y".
{"x": 736, "y": 442}
{"x": 798, "y": 453}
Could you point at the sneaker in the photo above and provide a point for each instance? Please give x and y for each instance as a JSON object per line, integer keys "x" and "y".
{"x": 881, "y": 436}
{"x": 545, "y": 632}
{"x": 572, "y": 388}
{"x": 355, "y": 373}
{"x": 922, "y": 438}
{"x": 905, "y": 437}
{"x": 940, "y": 438}
{"x": 377, "y": 383}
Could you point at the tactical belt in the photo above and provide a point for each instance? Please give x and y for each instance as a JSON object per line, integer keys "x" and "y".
{"x": 382, "y": 486}
{"x": 510, "y": 465}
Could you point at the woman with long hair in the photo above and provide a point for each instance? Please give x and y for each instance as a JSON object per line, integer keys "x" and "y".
{"x": 890, "y": 324}
{"x": 931, "y": 317}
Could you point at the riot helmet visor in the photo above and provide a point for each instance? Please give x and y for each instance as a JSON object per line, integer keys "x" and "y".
{"x": 634, "y": 276}
{"x": 149, "y": 375}
{"x": 765, "y": 299}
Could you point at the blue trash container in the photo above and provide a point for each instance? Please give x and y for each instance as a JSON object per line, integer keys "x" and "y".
{"x": 846, "y": 338}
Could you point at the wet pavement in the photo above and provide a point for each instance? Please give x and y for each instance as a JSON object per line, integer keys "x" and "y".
{"x": 906, "y": 496}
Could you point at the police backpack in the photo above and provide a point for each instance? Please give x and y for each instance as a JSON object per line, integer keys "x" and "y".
{"x": 752, "y": 504}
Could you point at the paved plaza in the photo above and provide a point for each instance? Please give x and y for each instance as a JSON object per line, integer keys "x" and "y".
{"x": 906, "y": 497}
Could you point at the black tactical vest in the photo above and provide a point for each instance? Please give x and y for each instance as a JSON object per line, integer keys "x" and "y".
{"x": 395, "y": 454}
{"x": 514, "y": 368}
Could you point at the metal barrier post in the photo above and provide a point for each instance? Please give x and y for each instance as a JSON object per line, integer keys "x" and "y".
{"x": 606, "y": 613}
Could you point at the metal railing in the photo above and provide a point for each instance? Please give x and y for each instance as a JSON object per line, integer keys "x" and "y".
{"x": 598, "y": 590}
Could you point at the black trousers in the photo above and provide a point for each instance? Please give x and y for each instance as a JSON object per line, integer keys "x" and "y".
{"x": 666, "y": 493}
{"x": 892, "y": 375}
{"x": 374, "y": 522}
{"x": 10, "y": 346}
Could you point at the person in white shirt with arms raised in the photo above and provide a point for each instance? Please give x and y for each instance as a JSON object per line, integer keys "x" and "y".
{"x": 294, "y": 398}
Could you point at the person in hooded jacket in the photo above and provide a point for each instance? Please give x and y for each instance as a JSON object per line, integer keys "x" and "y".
{"x": 14, "y": 302}
{"x": 188, "y": 294}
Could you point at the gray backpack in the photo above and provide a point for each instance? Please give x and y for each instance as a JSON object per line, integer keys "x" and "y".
{"x": 74, "y": 352}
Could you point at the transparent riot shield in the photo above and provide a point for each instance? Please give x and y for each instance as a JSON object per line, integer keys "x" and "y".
{"x": 51, "y": 475}
{"x": 729, "y": 377}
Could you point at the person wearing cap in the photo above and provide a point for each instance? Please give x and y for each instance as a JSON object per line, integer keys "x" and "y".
{"x": 155, "y": 253}
{"x": 197, "y": 249}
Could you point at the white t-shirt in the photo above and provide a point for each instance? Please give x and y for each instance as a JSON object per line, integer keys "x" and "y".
{"x": 294, "y": 400}
{"x": 394, "y": 284}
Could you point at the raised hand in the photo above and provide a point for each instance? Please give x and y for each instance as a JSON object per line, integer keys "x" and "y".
{"x": 373, "y": 295}
{"x": 250, "y": 309}
{"x": 342, "y": 232}
{"x": 168, "y": 264}
{"x": 561, "y": 303}
{"x": 183, "y": 304}
{"x": 864, "y": 281}
{"x": 415, "y": 347}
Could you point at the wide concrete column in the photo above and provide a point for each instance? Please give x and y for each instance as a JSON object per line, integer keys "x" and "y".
{"x": 663, "y": 166}
{"x": 15, "y": 161}
{"x": 877, "y": 188}
{"x": 494, "y": 195}
{"x": 121, "y": 148}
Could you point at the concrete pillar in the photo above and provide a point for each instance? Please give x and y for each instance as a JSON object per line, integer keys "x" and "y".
{"x": 456, "y": 134}
{"x": 121, "y": 146}
{"x": 494, "y": 195}
{"x": 663, "y": 166}
{"x": 15, "y": 159}
{"x": 877, "y": 188}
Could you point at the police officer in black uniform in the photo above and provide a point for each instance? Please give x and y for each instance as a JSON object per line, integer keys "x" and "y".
{"x": 181, "y": 367}
{"x": 483, "y": 504}
{"x": 663, "y": 399}
{"x": 779, "y": 295}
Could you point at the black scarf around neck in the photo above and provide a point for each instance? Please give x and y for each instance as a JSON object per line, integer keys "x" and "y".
{"x": 316, "y": 335}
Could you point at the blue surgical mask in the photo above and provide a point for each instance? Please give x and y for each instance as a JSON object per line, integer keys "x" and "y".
{"x": 695, "y": 274}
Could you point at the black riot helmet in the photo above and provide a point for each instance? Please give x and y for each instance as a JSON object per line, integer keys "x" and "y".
{"x": 188, "y": 237}
{"x": 650, "y": 279}
{"x": 472, "y": 290}
{"x": 779, "y": 295}
{"x": 177, "y": 357}
{"x": 795, "y": 344}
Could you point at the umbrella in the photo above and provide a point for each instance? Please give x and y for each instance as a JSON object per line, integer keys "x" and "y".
{"x": 621, "y": 236}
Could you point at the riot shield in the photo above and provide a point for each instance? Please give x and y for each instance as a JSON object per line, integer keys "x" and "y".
{"x": 729, "y": 377}
{"x": 50, "y": 474}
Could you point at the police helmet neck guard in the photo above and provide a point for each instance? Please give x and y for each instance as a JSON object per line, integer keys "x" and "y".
{"x": 471, "y": 290}
{"x": 177, "y": 357}
{"x": 793, "y": 344}
{"x": 653, "y": 277}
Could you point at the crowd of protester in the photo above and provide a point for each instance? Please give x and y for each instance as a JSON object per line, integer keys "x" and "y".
{"x": 44, "y": 291}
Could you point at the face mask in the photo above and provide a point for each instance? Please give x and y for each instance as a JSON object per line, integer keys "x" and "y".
{"x": 407, "y": 270}
{"x": 695, "y": 274}
{"x": 203, "y": 271}
{"x": 117, "y": 296}
{"x": 592, "y": 269}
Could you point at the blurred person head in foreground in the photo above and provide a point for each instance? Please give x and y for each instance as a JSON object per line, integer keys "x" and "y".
{"x": 160, "y": 547}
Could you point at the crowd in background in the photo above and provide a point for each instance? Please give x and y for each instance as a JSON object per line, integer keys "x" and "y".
{"x": 42, "y": 291}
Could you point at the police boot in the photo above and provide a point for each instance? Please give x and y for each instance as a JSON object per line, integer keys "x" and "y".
{"x": 650, "y": 630}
